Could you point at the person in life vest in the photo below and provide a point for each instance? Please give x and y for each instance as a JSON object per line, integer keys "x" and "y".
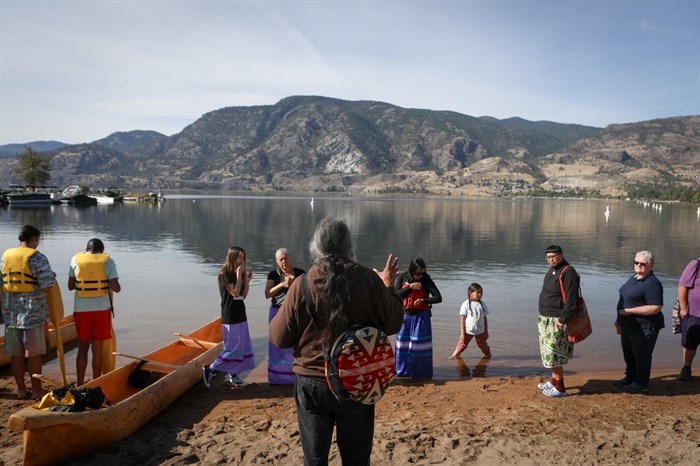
{"x": 26, "y": 279}
{"x": 93, "y": 275}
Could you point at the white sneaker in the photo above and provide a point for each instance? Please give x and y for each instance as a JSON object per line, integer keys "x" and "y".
{"x": 545, "y": 385}
{"x": 234, "y": 380}
{"x": 553, "y": 392}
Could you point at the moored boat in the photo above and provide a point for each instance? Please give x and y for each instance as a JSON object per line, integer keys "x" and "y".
{"x": 68, "y": 334}
{"x": 101, "y": 199}
{"x": 79, "y": 200}
{"x": 30, "y": 199}
{"x": 54, "y": 437}
{"x": 156, "y": 197}
{"x": 106, "y": 197}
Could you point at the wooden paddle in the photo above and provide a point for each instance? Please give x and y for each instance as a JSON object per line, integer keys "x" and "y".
{"x": 109, "y": 347}
{"x": 150, "y": 361}
{"x": 190, "y": 338}
{"x": 47, "y": 380}
{"x": 56, "y": 315}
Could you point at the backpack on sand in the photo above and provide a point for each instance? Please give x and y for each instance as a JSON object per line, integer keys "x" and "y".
{"x": 361, "y": 365}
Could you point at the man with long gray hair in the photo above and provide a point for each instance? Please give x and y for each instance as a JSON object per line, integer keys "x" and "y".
{"x": 345, "y": 293}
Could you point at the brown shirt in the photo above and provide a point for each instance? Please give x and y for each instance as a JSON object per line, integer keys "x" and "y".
{"x": 371, "y": 303}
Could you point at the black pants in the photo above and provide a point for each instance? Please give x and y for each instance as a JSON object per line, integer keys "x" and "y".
{"x": 318, "y": 412}
{"x": 637, "y": 347}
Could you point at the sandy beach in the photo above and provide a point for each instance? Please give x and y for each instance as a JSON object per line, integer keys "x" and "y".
{"x": 475, "y": 420}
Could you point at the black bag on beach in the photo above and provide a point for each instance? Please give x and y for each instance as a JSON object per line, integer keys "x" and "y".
{"x": 83, "y": 398}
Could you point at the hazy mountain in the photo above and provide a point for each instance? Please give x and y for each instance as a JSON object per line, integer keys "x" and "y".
{"x": 38, "y": 146}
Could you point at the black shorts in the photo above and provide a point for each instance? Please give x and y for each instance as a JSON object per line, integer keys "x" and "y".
{"x": 690, "y": 332}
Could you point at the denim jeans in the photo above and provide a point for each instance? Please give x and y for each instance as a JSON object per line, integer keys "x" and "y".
{"x": 318, "y": 412}
{"x": 638, "y": 344}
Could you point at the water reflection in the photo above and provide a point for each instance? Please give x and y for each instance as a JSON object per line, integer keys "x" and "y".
{"x": 479, "y": 370}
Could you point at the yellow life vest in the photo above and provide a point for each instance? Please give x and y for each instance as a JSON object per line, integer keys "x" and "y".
{"x": 16, "y": 275}
{"x": 91, "y": 281}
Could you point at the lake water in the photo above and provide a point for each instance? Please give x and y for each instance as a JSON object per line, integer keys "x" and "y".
{"x": 168, "y": 256}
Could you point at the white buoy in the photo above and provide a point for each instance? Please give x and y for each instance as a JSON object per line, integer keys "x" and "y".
{"x": 607, "y": 210}
{"x": 312, "y": 202}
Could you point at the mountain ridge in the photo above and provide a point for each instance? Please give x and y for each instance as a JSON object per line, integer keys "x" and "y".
{"x": 322, "y": 143}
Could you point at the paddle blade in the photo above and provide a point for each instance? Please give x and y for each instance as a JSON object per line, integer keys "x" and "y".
{"x": 108, "y": 357}
{"x": 55, "y": 304}
{"x": 61, "y": 356}
{"x": 109, "y": 360}
{"x": 56, "y": 315}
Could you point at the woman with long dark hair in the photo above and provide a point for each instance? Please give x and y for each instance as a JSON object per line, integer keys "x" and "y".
{"x": 344, "y": 293}
{"x": 414, "y": 342}
{"x": 237, "y": 356}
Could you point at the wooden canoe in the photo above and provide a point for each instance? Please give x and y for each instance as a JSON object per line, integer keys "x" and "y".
{"x": 54, "y": 437}
{"x": 68, "y": 334}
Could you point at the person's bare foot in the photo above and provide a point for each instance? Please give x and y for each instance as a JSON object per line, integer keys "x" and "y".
{"x": 38, "y": 395}
{"x": 23, "y": 394}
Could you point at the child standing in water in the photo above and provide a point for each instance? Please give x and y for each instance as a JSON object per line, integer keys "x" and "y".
{"x": 473, "y": 323}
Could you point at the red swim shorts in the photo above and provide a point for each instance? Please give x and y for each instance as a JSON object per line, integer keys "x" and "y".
{"x": 93, "y": 324}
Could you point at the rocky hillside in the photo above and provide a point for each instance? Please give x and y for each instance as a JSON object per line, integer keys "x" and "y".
{"x": 318, "y": 143}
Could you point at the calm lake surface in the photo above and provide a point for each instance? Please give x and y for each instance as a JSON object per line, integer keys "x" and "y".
{"x": 168, "y": 256}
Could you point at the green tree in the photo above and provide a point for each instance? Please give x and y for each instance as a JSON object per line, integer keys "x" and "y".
{"x": 32, "y": 168}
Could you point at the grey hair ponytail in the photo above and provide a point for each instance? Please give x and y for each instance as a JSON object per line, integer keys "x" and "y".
{"x": 332, "y": 248}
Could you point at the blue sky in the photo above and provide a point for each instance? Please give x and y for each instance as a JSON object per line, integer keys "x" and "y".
{"x": 76, "y": 71}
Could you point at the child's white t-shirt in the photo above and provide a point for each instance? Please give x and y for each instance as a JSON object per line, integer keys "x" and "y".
{"x": 474, "y": 311}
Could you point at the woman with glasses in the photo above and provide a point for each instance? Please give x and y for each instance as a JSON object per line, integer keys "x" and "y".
{"x": 280, "y": 360}
{"x": 414, "y": 342}
{"x": 639, "y": 320}
{"x": 557, "y": 302}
